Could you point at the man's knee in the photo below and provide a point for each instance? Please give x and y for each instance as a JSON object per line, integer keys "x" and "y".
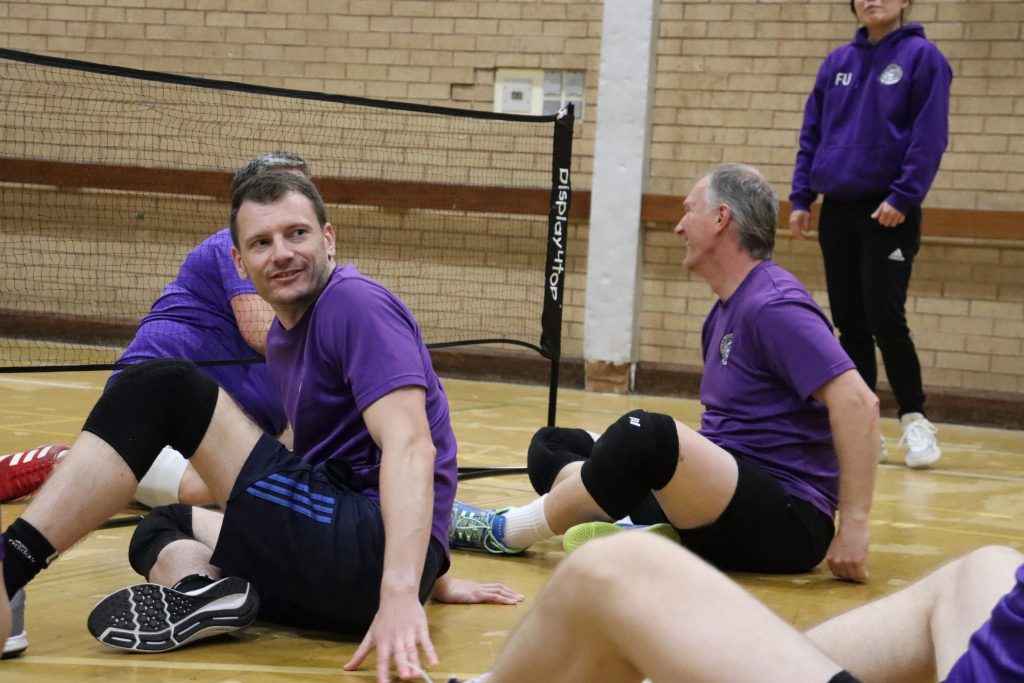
{"x": 151, "y": 405}
{"x": 161, "y": 527}
{"x": 990, "y": 560}
{"x": 551, "y": 449}
{"x": 634, "y": 456}
{"x": 610, "y": 566}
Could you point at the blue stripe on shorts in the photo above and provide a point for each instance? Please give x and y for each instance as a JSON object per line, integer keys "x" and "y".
{"x": 301, "y": 503}
{"x": 280, "y": 478}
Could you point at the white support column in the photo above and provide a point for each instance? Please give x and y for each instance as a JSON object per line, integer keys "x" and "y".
{"x": 615, "y": 256}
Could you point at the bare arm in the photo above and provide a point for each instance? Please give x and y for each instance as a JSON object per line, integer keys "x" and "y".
{"x": 853, "y": 415}
{"x": 464, "y": 591}
{"x": 253, "y": 316}
{"x": 398, "y": 424}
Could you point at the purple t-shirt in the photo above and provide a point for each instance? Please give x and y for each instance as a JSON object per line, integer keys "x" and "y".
{"x": 766, "y": 350}
{"x": 193, "y": 319}
{"x": 995, "y": 653}
{"x": 355, "y": 344}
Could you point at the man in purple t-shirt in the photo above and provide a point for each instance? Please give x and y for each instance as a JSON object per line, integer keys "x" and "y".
{"x": 789, "y": 433}
{"x": 206, "y": 313}
{"x": 351, "y": 535}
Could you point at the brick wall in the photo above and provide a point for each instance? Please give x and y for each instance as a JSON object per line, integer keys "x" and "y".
{"x": 965, "y": 308}
{"x": 731, "y": 83}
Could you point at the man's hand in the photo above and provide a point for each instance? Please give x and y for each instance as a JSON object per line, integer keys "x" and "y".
{"x": 847, "y": 556}
{"x": 398, "y": 631}
{"x": 887, "y": 215}
{"x": 463, "y": 591}
{"x": 799, "y": 223}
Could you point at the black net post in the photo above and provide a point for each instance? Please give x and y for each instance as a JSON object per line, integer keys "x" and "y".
{"x": 558, "y": 236}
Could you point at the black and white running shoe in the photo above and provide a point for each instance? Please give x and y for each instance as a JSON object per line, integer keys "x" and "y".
{"x": 152, "y": 618}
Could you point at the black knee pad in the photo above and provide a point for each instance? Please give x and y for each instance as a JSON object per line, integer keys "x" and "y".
{"x": 162, "y": 526}
{"x": 551, "y": 449}
{"x": 636, "y": 455}
{"x": 152, "y": 405}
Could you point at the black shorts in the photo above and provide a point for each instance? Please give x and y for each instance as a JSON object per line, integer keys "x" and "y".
{"x": 312, "y": 547}
{"x": 763, "y": 528}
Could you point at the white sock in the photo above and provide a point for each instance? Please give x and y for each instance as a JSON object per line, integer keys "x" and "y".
{"x": 527, "y": 525}
{"x": 160, "y": 484}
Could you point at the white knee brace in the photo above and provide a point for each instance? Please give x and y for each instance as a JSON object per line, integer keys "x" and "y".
{"x": 160, "y": 484}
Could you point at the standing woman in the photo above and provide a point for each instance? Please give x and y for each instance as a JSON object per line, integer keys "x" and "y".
{"x": 875, "y": 128}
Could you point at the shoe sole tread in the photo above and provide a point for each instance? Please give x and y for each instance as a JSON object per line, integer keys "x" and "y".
{"x": 152, "y": 618}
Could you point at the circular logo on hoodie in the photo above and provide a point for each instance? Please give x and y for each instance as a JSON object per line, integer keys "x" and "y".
{"x": 892, "y": 75}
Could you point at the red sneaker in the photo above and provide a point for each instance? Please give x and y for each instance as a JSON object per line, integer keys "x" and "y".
{"x": 23, "y": 473}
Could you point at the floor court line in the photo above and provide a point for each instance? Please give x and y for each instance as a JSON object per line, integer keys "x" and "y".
{"x": 915, "y": 525}
{"x": 53, "y": 422}
{"x": 977, "y": 513}
{"x": 470, "y": 409}
{"x": 136, "y": 662}
{"x": 961, "y": 448}
{"x": 976, "y": 475}
{"x": 45, "y": 383}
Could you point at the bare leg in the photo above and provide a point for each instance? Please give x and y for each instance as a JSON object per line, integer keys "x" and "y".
{"x": 569, "y": 502}
{"x": 5, "y": 610}
{"x": 186, "y": 557}
{"x": 566, "y": 472}
{"x": 93, "y": 482}
{"x": 698, "y": 493}
{"x": 225, "y": 448}
{"x": 918, "y": 633}
{"x": 662, "y": 614}
{"x": 704, "y": 482}
{"x": 193, "y": 490}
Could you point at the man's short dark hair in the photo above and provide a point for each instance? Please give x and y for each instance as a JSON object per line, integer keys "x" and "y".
{"x": 270, "y": 186}
{"x": 268, "y": 161}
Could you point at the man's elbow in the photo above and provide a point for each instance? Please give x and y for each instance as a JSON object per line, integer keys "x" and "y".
{"x": 868, "y": 403}
{"x": 423, "y": 450}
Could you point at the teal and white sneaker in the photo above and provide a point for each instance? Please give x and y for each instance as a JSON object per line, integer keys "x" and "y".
{"x": 581, "y": 533}
{"x": 479, "y": 529}
{"x": 18, "y": 641}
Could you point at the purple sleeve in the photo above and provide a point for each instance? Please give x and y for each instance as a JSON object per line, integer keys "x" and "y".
{"x": 376, "y": 341}
{"x": 802, "y": 196}
{"x": 929, "y": 131}
{"x": 797, "y": 342}
{"x": 995, "y": 653}
{"x": 233, "y": 284}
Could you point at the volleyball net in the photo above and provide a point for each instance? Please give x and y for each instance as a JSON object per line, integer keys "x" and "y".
{"x": 110, "y": 176}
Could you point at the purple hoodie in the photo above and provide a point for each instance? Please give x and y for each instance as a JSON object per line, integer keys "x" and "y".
{"x": 876, "y": 122}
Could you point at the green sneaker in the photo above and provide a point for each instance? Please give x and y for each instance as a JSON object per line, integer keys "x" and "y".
{"x": 581, "y": 533}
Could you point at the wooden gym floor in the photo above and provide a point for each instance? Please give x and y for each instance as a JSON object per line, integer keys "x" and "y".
{"x": 920, "y": 518}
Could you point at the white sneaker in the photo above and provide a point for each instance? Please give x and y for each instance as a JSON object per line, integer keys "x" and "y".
{"x": 919, "y": 436}
{"x": 883, "y": 452}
